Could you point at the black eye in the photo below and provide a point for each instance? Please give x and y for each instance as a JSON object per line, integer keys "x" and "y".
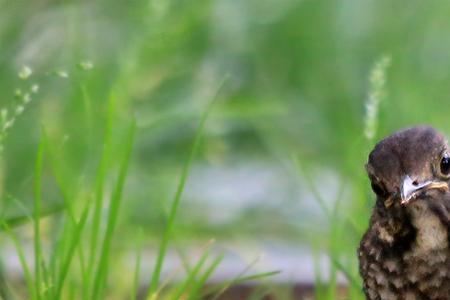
{"x": 378, "y": 189}
{"x": 445, "y": 165}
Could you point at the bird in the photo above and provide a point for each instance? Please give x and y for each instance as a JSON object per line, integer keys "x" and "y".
{"x": 405, "y": 253}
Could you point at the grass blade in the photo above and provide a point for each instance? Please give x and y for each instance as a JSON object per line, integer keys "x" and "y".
{"x": 74, "y": 243}
{"x": 176, "y": 201}
{"x": 191, "y": 277}
{"x": 310, "y": 181}
{"x": 137, "y": 266}
{"x": 17, "y": 221}
{"x": 102, "y": 270}
{"x": 219, "y": 290}
{"x": 37, "y": 215}
{"x": 199, "y": 284}
{"x": 99, "y": 183}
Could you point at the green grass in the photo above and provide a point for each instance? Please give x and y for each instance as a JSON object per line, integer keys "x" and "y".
{"x": 51, "y": 273}
{"x": 55, "y": 276}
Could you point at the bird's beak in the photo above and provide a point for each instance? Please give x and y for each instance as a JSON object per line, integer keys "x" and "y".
{"x": 411, "y": 188}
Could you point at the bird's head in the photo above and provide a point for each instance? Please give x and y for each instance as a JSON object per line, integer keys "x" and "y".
{"x": 409, "y": 165}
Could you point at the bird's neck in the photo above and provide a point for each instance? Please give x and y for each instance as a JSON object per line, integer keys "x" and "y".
{"x": 431, "y": 233}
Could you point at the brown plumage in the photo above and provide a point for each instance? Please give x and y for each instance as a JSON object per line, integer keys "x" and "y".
{"x": 405, "y": 252}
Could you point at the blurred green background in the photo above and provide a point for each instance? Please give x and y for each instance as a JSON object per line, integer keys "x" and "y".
{"x": 281, "y": 161}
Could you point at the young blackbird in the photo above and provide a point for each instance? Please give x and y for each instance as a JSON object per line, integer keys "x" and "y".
{"x": 405, "y": 252}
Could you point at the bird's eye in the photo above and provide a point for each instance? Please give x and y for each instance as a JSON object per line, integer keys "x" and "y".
{"x": 378, "y": 189}
{"x": 445, "y": 165}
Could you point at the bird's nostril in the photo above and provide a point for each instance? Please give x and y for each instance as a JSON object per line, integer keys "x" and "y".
{"x": 415, "y": 183}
